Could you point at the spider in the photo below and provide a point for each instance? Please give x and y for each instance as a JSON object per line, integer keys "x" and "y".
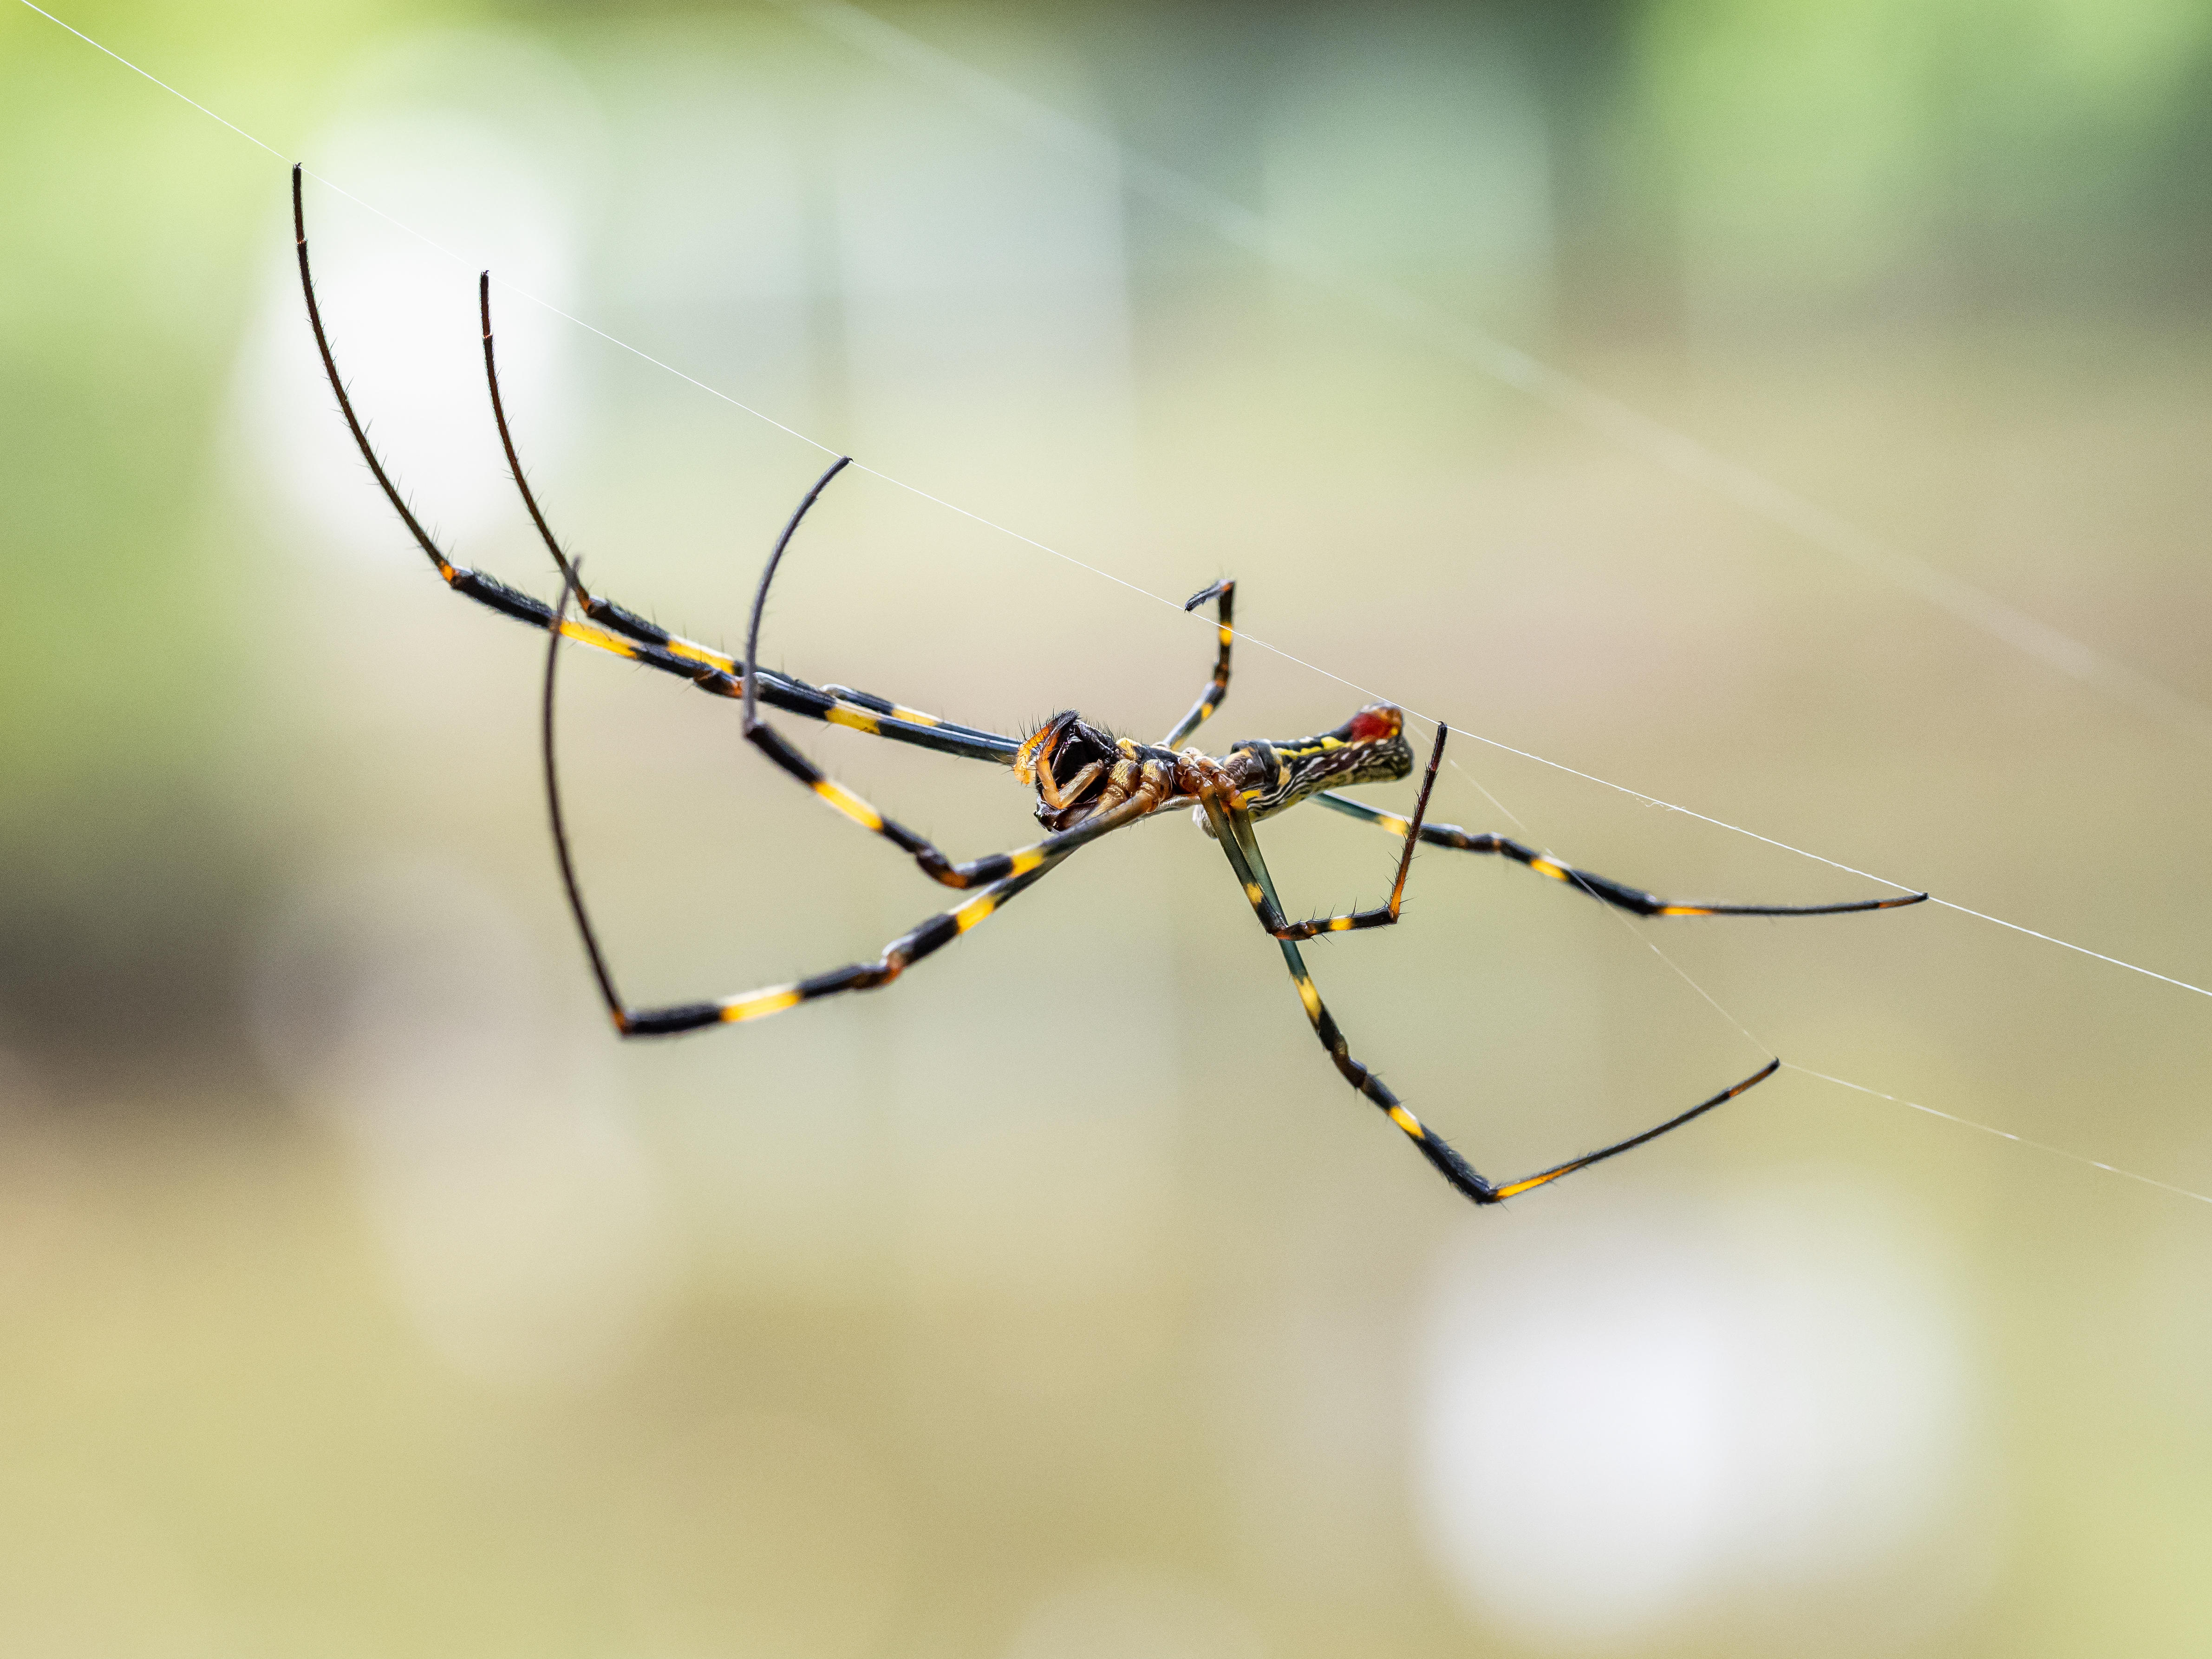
{"x": 1089, "y": 783}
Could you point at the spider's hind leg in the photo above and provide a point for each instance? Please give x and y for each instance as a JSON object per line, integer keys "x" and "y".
{"x": 1233, "y": 829}
{"x": 1618, "y": 894}
{"x": 1383, "y": 915}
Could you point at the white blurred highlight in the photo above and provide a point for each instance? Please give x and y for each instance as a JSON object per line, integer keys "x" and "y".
{"x": 1634, "y": 1418}
{"x": 519, "y": 1214}
{"x": 402, "y": 313}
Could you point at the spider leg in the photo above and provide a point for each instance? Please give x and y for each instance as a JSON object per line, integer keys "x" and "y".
{"x": 1156, "y": 784}
{"x": 894, "y": 959}
{"x": 623, "y": 633}
{"x": 899, "y": 711}
{"x": 1615, "y": 893}
{"x": 1385, "y": 916}
{"x": 1209, "y": 699}
{"x": 1232, "y": 827}
{"x": 597, "y": 607}
{"x": 994, "y": 867}
{"x": 621, "y": 620}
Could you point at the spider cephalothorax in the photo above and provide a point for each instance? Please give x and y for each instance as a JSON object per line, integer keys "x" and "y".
{"x": 1079, "y": 770}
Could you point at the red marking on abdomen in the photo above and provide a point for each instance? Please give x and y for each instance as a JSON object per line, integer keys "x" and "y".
{"x": 1373, "y": 725}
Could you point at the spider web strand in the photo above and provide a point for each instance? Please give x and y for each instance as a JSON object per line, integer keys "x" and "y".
{"x": 1509, "y": 359}
{"x": 2003, "y": 1134}
{"x": 1714, "y": 1002}
{"x": 1628, "y": 428}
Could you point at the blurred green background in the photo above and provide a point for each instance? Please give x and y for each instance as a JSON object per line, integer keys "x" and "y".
{"x": 361, "y": 1295}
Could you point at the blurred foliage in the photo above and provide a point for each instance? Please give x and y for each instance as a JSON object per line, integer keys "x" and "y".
{"x": 1042, "y": 1294}
{"x": 1819, "y": 161}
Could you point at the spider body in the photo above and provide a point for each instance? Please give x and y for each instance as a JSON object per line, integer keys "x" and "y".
{"x": 1089, "y": 783}
{"x": 1368, "y": 748}
{"x": 1080, "y": 770}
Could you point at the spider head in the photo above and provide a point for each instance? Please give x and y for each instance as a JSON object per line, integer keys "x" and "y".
{"x": 1070, "y": 763}
{"x": 1368, "y": 748}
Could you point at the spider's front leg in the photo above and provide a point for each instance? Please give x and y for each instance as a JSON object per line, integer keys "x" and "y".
{"x": 976, "y": 872}
{"x": 894, "y": 959}
{"x": 712, "y": 670}
{"x": 607, "y": 626}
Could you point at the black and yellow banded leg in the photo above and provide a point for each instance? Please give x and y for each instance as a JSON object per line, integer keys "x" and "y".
{"x": 782, "y": 691}
{"x": 596, "y": 607}
{"x": 1233, "y": 829}
{"x": 861, "y": 710}
{"x": 1383, "y": 915}
{"x": 899, "y": 711}
{"x": 1615, "y": 893}
{"x": 1252, "y": 872}
{"x": 617, "y": 631}
{"x": 1218, "y": 688}
{"x": 901, "y": 954}
{"x": 1515, "y": 1188}
{"x": 996, "y": 866}
{"x": 877, "y": 717}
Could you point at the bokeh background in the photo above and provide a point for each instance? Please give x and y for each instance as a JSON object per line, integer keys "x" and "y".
{"x": 361, "y": 1294}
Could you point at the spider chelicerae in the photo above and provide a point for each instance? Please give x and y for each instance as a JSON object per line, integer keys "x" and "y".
{"x": 1089, "y": 783}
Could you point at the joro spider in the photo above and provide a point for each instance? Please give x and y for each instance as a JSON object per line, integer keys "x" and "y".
{"x": 1089, "y": 783}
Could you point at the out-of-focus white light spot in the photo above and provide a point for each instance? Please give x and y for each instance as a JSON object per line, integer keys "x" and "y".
{"x": 1123, "y": 1614}
{"x": 1633, "y": 1417}
{"x": 402, "y": 313}
{"x": 518, "y": 1213}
